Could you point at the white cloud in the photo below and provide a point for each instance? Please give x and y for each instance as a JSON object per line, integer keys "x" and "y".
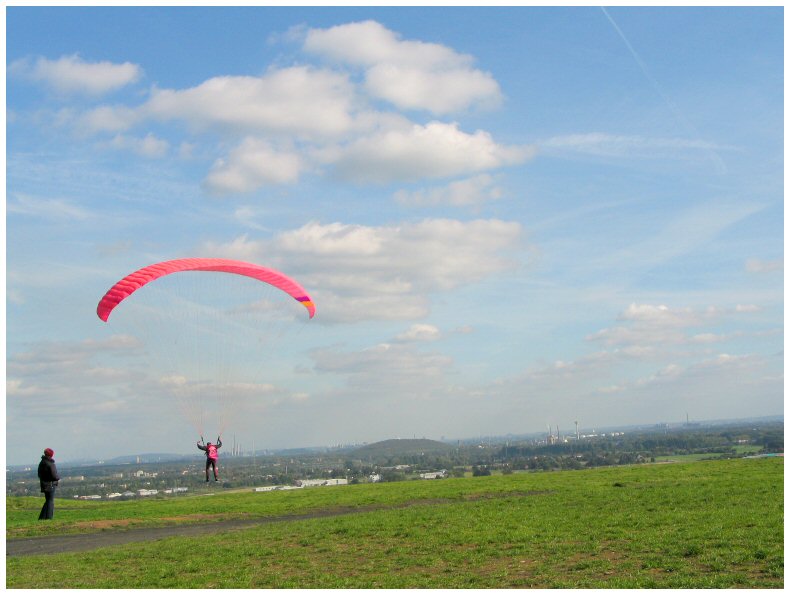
{"x": 240, "y": 248}
{"x": 664, "y": 316}
{"x": 436, "y": 150}
{"x": 419, "y": 333}
{"x": 369, "y": 43}
{"x": 747, "y": 308}
{"x": 708, "y": 338}
{"x": 691, "y": 375}
{"x": 149, "y": 146}
{"x": 302, "y": 117}
{"x": 652, "y": 325}
{"x": 610, "y": 388}
{"x": 434, "y": 254}
{"x": 66, "y": 374}
{"x": 469, "y": 192}
{"x": 647, "y": 325}
{"x": 251, "y": 165}
{"x": 756, "y": 265}
{"x": 71, "y": 74}
{"x": 107, "y": 118}
{"x": 299, "y": 101}
{"x": 409, "y": 74}
{"x": 91, "y": 400}
{"x": 352, "y": 308}
{"x": 437, "y": 91}
{"x": 333, "y": 239}
{"x": 387, "y": 366}
{"x": 362, "y": 272}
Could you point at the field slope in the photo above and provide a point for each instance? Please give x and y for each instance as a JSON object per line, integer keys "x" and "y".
{"x": 702, "y": 524}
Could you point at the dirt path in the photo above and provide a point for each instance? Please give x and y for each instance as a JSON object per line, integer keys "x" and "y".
{"x": 57, "y": 544}
{"x": 30, "y": 546}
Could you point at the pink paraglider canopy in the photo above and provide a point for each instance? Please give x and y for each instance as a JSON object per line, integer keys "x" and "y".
{"x": 131, "y": 283}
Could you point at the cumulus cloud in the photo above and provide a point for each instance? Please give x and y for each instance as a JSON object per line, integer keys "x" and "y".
{"x": 369, "y": 43}
{"x": 254, "y": 163}
{"x": 412, "y": 75}
{"x": 290, "y": 119}
{"x": 651, "y": 325}
{"x": 468, "y": 192}
{"x": 300, "y": 101}
{"x": 434, "y": 254}
{"x": 435, "y": 90}
{"x": 384, "y": 272}
{"x": 436, "y": 150}
{"x": 73, "y": 75}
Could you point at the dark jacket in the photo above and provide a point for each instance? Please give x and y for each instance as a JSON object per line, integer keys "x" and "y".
{"x": 48, "y": 474}
{"x": 218, "y": 444}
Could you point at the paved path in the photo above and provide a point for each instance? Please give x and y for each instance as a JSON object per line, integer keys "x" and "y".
{"x": 56, "y": 544}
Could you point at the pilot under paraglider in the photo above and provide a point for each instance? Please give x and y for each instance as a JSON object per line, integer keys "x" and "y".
{"x": 212, "y": 455}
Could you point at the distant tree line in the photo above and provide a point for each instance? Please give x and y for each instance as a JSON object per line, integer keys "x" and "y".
{"x": 639, "y": 448}
{"x": 458, "y": 460}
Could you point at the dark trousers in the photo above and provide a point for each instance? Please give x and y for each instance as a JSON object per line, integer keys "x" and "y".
{"x": 48, "y": 510}
{"x": 213, "y": 464}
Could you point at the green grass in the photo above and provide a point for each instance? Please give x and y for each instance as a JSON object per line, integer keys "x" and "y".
{"x": 75, "y": 516}
{"x": 711, "y": 524}
{"x": 741, "y": 449}
{"x": 686, "y": 458}
{"x": 747, "y": 449}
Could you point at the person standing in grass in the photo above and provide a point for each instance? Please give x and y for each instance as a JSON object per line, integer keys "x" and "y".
{"x": 48, "y": 476}
{"x": 212, "y": 455}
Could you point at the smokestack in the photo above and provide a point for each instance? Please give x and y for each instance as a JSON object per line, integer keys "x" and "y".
{"x": 577, "y": 429}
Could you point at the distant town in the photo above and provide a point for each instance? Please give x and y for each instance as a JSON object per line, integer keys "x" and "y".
{"x": 170, "y": 476}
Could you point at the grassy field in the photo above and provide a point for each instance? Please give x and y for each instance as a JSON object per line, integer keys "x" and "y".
{"x": 716, "y": 524}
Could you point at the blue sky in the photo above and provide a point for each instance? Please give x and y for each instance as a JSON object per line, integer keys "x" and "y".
{"x": 507, "y": 217}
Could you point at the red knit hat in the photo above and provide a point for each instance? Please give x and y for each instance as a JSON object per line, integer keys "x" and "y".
{"x": 49, "y": 452}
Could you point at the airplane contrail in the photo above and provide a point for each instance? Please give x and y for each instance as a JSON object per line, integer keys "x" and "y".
{"x": 718, "y": 163}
